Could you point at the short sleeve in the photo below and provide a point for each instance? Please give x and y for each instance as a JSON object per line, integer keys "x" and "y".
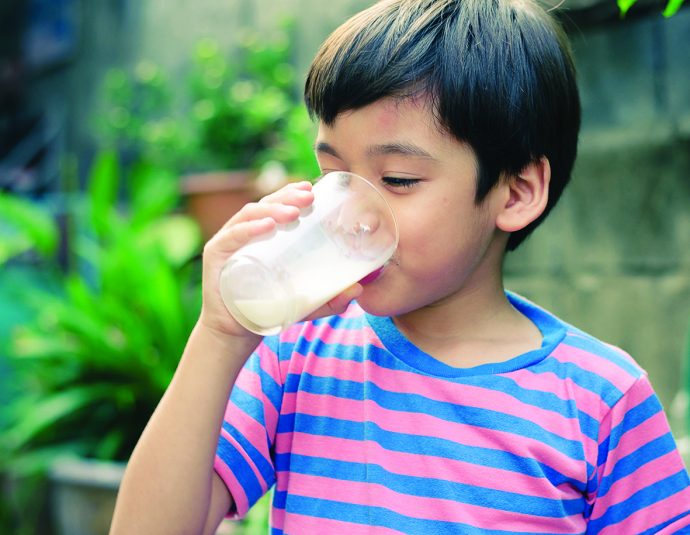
{"x": 244, "y": 454}
{"x": 641, "y": 484}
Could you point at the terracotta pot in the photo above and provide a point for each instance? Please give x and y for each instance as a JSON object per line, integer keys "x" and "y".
{"x": 214, "y": 197}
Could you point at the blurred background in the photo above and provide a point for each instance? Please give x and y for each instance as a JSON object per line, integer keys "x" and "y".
{"x": 125, "y": 124}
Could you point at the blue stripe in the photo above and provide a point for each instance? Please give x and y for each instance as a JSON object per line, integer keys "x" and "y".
{"x": 592, "y": 345}
{"x": 379, "y": 516}
{"x": 250, "y": 405}
{"x": 451, "y": 412}
{"x": 264, "y": 465}
{"x": 430, "y": 487}
{"x": 669, "y": 523}
{"x": 598, "y": 385}
{"x": 344, "y": 352}
{"x": 340, "y": 322}
{"x": 501, "y": 383}
{"x": 634, "y": 417}
{"x": 279, "y": 498}
{"x": 240, "y": 469}
{"x": 383, "y": 358}
{"x": 546, "y": 401}
{"x": 272, "y": 343}
{"x": 637, "y": 459}
{"x": 428, "y": 446}
{"x": 646, "y": 497}
{"x": 271, "y": 389}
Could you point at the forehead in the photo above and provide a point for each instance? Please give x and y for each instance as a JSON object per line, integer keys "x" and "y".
{"x": 408, "y": 121}
{"x": 391, "y": 112}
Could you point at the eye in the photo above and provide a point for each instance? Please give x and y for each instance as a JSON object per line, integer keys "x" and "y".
{"x": 398, "y": 182}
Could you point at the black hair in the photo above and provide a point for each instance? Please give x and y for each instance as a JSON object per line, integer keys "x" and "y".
{"x": 499, "y": 74}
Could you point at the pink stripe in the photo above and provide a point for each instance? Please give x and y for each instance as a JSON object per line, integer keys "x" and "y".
{"x": 648, "y": 474}
{"x": 330, "y": 335}
{"x": 243, "y": 453}
{"x": 353, "y": 311}
{"x": 236, "y": 490}
{"x": 278, "y": 517}
{"x": 269, "y": 363}
{"x": 310, "y": 525}
{"x": 310, "y": 332}
{"x": 634, "y": 439}
{"x": 595, "y": 364}
{"x": 426, "y": 425}
{"x": 292, "y": 333}
{"x": 250, "y": 382}
{"x": 588, "y": 402}
{"x": 649, "y": 517}
{"x": 677, "y": 526}
{"x": 417, "y": 465}
{"x": 434, "y": 509}
{"x": 253, "y": 432}
{"x": 440, "y": 390}
{"x": 637, "y": 394}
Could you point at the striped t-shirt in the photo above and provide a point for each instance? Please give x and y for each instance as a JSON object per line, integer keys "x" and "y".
{"x": 359, "y": 431}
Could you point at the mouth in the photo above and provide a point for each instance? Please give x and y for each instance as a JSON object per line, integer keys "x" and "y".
{"x": 368, "y": 279}
{"x": 374, "y": 275}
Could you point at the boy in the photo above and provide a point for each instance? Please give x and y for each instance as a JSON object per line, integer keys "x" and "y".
{"x": 437, "y": 402}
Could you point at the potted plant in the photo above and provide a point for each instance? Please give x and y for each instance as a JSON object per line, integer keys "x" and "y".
{"x": 102, "y": 348}
{"x": 220, "y": 128}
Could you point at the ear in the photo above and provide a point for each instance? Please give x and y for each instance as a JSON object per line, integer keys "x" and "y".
{"x": 525, "y": 196}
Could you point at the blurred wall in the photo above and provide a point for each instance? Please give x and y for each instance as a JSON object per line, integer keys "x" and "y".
{"x": 614, "y": 257}
{"x": 53, "y": 54}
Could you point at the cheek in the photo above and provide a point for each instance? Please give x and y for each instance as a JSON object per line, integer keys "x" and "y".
{"x": 426, "y": 242}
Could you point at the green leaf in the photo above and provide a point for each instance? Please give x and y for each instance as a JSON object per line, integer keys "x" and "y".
{"x": 177, "y": 237}
{"x": 625, "y": 5}
{"x": 51, "y": 408}
{"x": 154, "y": 192}
{"x": 103, "y": 186}
{"x": 672, "y": 7}
{"x": 28, "y": 344}
{"x": 25, "y": 226}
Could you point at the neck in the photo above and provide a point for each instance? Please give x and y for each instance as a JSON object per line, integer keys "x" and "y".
{"x": 472, "y": 326}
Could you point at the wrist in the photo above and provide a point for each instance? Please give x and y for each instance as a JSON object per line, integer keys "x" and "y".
{"x": 223, "y": 342}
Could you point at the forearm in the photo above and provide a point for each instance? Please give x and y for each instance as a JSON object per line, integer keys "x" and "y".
{"x": 167, "y": 484}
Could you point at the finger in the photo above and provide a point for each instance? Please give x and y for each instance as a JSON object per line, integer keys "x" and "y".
{"x": 297, "y": 194}
{"x": 280, "y": 213}
{"x": 231, "y": 237}
{"x": 339, "y": 303}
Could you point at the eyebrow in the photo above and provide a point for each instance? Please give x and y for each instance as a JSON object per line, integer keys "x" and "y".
{"x": 326, "y": 148}
{"x": 402, "y": 149}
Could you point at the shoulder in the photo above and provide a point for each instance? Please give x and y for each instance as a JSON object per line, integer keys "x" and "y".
{"x": 599, "y": 358}
{"x": 584, "y": 360}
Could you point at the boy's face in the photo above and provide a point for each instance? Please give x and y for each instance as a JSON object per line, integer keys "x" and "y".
{"x": 448, "y": 244}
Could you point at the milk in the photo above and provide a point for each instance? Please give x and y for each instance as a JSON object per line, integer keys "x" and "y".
{"x": 318, "y": 278}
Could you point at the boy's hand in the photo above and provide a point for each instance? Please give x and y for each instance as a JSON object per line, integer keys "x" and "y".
{"x": 253, "y": 220}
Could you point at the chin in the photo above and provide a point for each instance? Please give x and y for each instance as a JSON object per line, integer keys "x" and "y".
{"x": 379, "y": 302}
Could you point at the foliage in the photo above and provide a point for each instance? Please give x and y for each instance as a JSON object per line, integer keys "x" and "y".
{"x": 24, "y": 227}
{"x": 101, "y": 351}
{"x": 672, "y": 6}
{"x": 137, "y": 117}
{"x": 231, "y": 111}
